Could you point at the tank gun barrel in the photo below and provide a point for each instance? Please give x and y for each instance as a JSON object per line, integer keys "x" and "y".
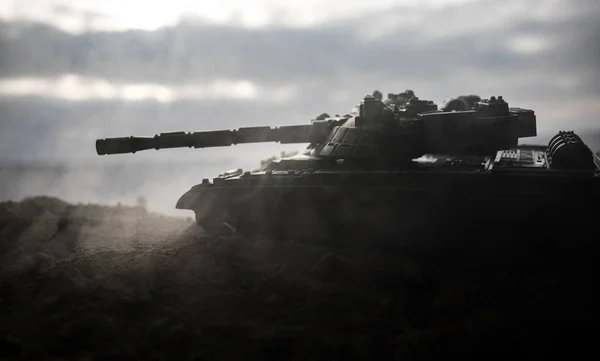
{"x": 309, "y": 133}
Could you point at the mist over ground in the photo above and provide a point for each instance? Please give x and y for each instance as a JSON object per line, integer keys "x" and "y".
{"x": 64, "y": 85}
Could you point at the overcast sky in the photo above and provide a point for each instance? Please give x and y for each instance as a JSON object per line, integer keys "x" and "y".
{"x": 74, "y": 71}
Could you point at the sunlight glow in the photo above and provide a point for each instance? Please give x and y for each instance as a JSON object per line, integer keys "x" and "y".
{"x": 78, "y": 88}
{"x": 529, "y": 44}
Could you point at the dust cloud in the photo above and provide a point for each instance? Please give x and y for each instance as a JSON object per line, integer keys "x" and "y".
{"x": 40, "y": 231}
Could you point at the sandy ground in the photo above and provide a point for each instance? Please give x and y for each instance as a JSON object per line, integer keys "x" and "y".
{"x": 96, "y": 282}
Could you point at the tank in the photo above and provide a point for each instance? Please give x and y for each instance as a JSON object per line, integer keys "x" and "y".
{"x": 392, "y": 167}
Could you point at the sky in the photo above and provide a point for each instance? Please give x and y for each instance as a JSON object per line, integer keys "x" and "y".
{"x": 76, "y": 16}
{"x": 75, "y": 71}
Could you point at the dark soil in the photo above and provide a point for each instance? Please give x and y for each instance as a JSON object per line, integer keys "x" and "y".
{"x": 93, "y": 282}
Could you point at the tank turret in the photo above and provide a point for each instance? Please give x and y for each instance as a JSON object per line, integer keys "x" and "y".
{"x": 378, "y": 132}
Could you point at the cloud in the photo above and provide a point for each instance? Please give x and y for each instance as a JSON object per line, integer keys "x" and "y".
{"x": 536, "y": 54}
{"x": 82, "y": 15}
{"x": 460, "y": 48}
{"x": 77, "y": 88}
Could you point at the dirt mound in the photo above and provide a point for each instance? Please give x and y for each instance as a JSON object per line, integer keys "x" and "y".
{"x": 155, "y": 288}
{"x": 38, "y": 231}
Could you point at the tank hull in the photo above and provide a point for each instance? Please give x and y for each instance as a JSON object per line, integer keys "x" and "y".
{"x": 401, "y": 206}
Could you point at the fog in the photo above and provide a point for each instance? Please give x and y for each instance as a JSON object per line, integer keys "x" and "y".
{"x": 70, "y": 74}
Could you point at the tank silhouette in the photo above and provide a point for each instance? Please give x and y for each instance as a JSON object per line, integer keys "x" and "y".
{"x": 389, "y": 166}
